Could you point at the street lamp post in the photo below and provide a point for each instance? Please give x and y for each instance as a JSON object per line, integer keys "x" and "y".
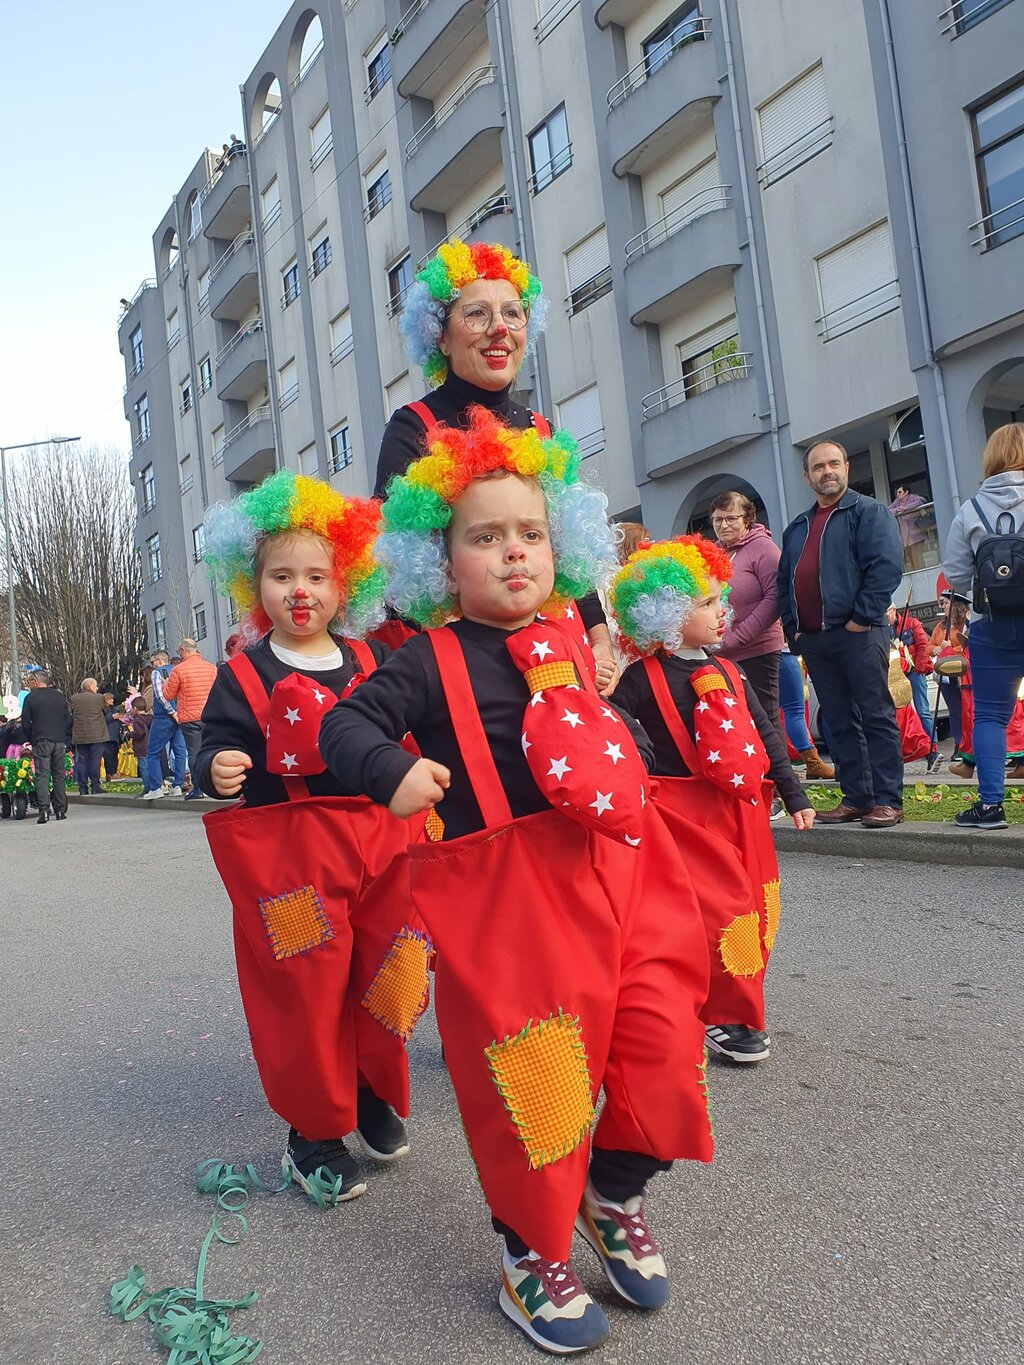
{"x": 25, "y": 445}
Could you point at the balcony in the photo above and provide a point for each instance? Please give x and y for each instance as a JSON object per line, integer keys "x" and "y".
{"x": 612, "y": 12}
{"x": 233, "y": 286}
{"x": 491, "y": 221}
{"x": 683, "y": 254}
{"x": 962, "y": 15}
{"x": 225, "y": 201}
{"x": 709, "y": 410}
{"x": 458, "y": 145}
{"x": 241, "y": 365}
{"x": 431, "y": 39}
{"x": 999, "y": 226}
{"x": 249, "y": 448}
{"x": 651, "y": 111}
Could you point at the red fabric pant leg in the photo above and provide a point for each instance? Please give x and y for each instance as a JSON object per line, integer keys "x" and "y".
{"x": 654, "y": 1080}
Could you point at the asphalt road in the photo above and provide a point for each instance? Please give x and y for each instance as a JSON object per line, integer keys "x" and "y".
{"x": 864, "y": 1205}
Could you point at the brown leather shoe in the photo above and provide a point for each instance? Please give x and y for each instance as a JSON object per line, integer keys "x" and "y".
{"x": 883, "y": 817}
{"x": 842, "y": 814}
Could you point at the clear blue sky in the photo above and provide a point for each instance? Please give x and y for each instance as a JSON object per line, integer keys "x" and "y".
{"x": 106, "y": 108}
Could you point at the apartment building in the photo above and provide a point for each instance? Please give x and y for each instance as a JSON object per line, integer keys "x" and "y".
{"x": 759, "y": 222}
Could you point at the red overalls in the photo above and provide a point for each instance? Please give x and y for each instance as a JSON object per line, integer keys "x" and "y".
{"x": 565, "y": 962}
{"x": 332, "y": 967}
{"x": 740, "y": 903}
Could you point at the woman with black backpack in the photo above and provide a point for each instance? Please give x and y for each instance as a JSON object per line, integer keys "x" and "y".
{"x": 985, "y": 558}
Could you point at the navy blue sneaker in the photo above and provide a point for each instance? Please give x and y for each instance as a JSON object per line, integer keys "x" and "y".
{"x": 628, "y": 1253}
{"x": 546, "y": 1301}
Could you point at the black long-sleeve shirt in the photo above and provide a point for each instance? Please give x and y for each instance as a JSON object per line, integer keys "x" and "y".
{"x": 359, "y": 736}
{"x": 228, "y": 723}
{"x": 46, "y": 715}
{"x": 634, "y": 695}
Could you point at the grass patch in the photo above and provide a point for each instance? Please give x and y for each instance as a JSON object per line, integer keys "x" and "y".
{"x": 923, "y": 802}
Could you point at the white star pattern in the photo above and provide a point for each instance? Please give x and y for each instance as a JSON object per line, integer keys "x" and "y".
{"x": 570, "y": 615}
{"x": 749, "y": 750}
{"x": 729, "y": 701}
{"x": 613, "y": 751}
{"x": 736, "y": 779}
{"x": 643, "y": 797}
{"x": 573, "y": 717}
{"x": 291, "y": 715}
{"x": 715, "y": 756}
{"x": 726, "y": 725}
{"x": 541, "y": 649}
{"x": 633, "y": 843}
{"x": 586, "y": 638}
{"x": 526, "y": 744}
{"x": 603, "y": 802}
{"x": 538, "y": 698}
{"x": 289, "y": 761}
{"x": 702, "y": 706}
{"x": 608, "y": 713}
{"x": 320, "y": 696}
{"x": 753, "y": 723}
{"x": 559, "y": 768}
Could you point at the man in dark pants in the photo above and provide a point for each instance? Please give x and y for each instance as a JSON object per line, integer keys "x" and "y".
{"x": 841, "y": 564}
{"x": 45, "y": 718}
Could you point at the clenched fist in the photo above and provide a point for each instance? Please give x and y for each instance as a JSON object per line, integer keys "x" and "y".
{"x": 420, "y": 789}
{"x": 227, "y": 771}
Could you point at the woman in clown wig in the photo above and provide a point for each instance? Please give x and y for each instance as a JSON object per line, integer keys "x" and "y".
{"x": 571, "y": 954}
{"x": 716, "y": 750}
{"x": 472, "y": 315}
{"x": 332, "y": 974}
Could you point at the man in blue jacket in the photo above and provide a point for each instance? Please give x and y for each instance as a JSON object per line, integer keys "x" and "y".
{"x": 841, "y": 564}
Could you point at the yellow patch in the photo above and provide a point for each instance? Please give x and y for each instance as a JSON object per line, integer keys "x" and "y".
{"x": 710, "y": 683}
{"x": 559, "y": 673}
{"x": 296, "y": 922}
{"x": 397, "y": 995}
{"x": 543, "y": 1077}
{"x": 434, "y": 827}
{"x": 740, "y": 946}
{"x": 772, "y": 911}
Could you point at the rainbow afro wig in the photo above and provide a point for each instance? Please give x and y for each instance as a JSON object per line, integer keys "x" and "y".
{"x": 439, "y": 284}
{"x": 418, "y": 508}
{"x": 292, "y": 502}
{"x": 657, "y": 588}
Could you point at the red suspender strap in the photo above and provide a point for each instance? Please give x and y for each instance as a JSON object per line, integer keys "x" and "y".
{"x": 731, "y": 672}
{"x": 424, "y": 414}
{"x": 542, "y": 425}
{"x": 256, "y": 695}
{"x": 365, "y": 662}
{"x": 469, "y": 731}
{"x": 670, "y": 715}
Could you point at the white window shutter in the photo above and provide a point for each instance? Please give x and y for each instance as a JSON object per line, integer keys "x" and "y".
{"x": 793, "y": 124}
{"x": 858, "y": 280}
{"x": 321, "y": 130}
{"x": 581, "y": 417}
{"x": 708, "y": 339}
{"x": 341, "y": 330}
{"x": 684, "y": 195}
{"x": 398, "y": 393}
{"x": 588, "y": 259}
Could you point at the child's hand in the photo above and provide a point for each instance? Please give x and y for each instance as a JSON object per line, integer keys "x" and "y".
{"x": 420, "y": 789}
{"x": 604, "y": 674}
{"x": 803, "y": 819}
{"x": 227, "y": 771}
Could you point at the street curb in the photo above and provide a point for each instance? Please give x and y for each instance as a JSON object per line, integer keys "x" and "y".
{"x": 109, "y": 801}
{"x": 917, "y": 842}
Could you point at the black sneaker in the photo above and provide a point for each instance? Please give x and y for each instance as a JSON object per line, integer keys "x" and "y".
{"x": 380, "y": 1131}
{"x": 326, "y": 1171}
{"x": 737, "y": 1042}
{"x": 778, "y": 810}
{"x": 980, "y": 816}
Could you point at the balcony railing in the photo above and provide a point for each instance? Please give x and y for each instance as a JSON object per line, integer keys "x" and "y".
{"x": 268, "y": 122}
{"x": 218, "y": 456}
{"x": 185, "y": 406}
{"x": 994, "y": 228}
{"x": 291, "y": 292}
{"x": 920, "y": 536}
{"x": 397, "y": 302}
{"x": 964, "y": 14}
{"x": 490, "y": 208}
{"x": 261, "y": 414}
{"x": 186, "y": 485}
{"x": 197, "y": 557}
{"x": 707, "y": 200}
{"x": 307, "y": 66}
{"x": 342, "y": 349}
{"x": 589, "y": 291}
{"x": 552, "y": 17}
{"x": 242, "y": 240}
{"x": 795, "y": 153}
{"x": 636, "y": 75}
{"x": 551, "y": 170}
{"x": 417, "y": 7}
{"x": 376, "y": 201}
{"x": 319, "y": 153}
{"x": 240, "y": 335}
{"x": 149, "y": 505}
{"x": 848, "y": 316}
{"x": 722, "y": 369}
{"x": 146, "y": 284}
{"x": 483, "y": 75}
{"x": 173, "y": 339}
{"x": 288, "y": 397}
{"x": 322, "y": 258}
{"x": 239, "y": 149}
{"x": 591, "y": 443}
{"x": 134, "y": 373}
{"x": 271, "y": 215}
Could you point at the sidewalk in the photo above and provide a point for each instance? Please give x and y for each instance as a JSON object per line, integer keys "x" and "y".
{"x": 115, "y": 801}
{"x": 921, "y": 841}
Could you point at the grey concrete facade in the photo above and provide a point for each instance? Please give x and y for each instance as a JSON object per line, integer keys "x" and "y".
{"x": 712, "y": 341}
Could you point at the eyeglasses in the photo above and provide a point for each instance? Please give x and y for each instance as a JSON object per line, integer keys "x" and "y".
{"x": 478, "y": 317}
{"x": 726, "y": 521}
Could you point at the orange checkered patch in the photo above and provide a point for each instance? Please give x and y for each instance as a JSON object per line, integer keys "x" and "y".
{"x": 544, "y": 1079}
{"x": 711, "y": 682}
{"x": 434, "y": 827}
{"x": 397, "y": 995}
{"x": 558, "y": 673}
{"x": 772, "y": 912}
{"x": 740, "y": 946}
{"x": 296, "y": 922}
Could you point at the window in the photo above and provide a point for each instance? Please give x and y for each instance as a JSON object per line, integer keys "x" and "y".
{"x": 697, "y": 193}
{"x": 195, "y": 217}
{"x": 999, "y": 140}
{"x": 309, "y": 463}
{"x": 185, "y": 388}
{"x": 185, "y": 475}
{"x": 378, "y": 192}
{"x": 270, "y": 201}
{"x": 320, "y": 138}
{"x": 964, "y": 14}
{"x": 160, "y": 627}
{"x": 341, "y": 336}
{"x": 290, "y": 281}
{"x": 400, "y": 277}
{"x": 137, "y": 353}
{"x": 199, "y": 623}
{"x": 581, "y": 415}
{"x": 398, "y": 393}
{"x": 550, "y": 150}
{"x": 684, "y": 27}
{"x": 711, "y": 358}
{"x": 378, "y": 68}
{"x": 205, "y": 375}
{"x": 857, "y": 282}
{"x": 794, "y": 125}
{"x": 588, "y": 267}
{"x": 288, "y": 384}
{"x": 217, "y": 443}
{"x": 199, "y": 543}
{"x": 204, "y": 291}
{"x": 154, "y": 558}
{"x": 148, "y": 489}
{"x": 142, "y": 419}
{"x": 341, "y": 449}
{"x": 173, "y": 330}
{"x": 320, "y": 253}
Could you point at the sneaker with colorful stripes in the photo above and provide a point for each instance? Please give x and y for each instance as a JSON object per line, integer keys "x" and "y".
{"x": 546, "y": 1301}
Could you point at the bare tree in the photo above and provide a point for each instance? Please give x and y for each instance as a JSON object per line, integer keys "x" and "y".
{"x": 77, "y": 574}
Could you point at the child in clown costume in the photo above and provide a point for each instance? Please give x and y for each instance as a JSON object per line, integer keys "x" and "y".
{"x": 570, "y": 951}
{"x": 714, "y": 747}
{"x": 332, "y": 974}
